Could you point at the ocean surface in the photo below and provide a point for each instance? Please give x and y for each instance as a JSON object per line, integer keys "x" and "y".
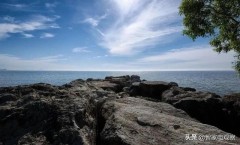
{"x": 220, "y": 82}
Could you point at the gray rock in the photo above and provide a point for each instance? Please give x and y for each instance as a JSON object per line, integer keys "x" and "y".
{"x": 173, "y": 84}
{"x": 174, "y": 94}
{"x": 46, "y": 115}
{"x": 152, "y": 89}
{"x": 90, "y": 79}
{"x": 231, "y": 109}
{"x": 135, "y": 90}
{"x": 135, "y": 78}
{"x": 126, "y": 89}
{"x": 130, "y": 121}
{"x": 107, "y": 85}
{"x": 121, "y": 81}
{"x": 189, "y": 89}
{"x": 118, "y": 78}
{"x": 7, "y": 97}
{"x": 208, "y": 108}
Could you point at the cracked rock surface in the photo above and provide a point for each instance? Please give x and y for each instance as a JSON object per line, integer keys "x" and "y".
{"x": 131, "y": 121}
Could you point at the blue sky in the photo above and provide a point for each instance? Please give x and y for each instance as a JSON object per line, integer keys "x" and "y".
{"x": 100, "y": 35}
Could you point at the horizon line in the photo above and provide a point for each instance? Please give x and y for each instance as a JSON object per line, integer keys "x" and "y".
{"x": 123, "y": 70}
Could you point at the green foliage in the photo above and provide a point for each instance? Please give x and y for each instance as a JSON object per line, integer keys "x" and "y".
{"x": 217, "y": 19}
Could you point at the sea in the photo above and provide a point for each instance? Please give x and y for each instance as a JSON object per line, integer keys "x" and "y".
{"x": 219, "y": 82}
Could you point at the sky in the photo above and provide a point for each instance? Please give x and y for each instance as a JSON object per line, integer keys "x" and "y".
{"x": 101, "y": 35}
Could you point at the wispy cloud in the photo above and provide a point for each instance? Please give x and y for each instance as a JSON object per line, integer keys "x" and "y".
{"x": 139, "y": 24}
{"x": 21, "y": 7}
{"x": 17, "y": 6}
{"x": 47, "y": 35}
{"x": 191, "y": 58}
{"x": 94, "y": 21}
{"x": 50, "y": 5}
{"x": 101, "y": 56}
{"x": 45, "y": 63}
{"x": 9, "y": 19}
{"x": 54, "y": 58}
{"x": 37, "y": 22}
{"x": 25, "y": 35}
{"x": 80, "y": 50}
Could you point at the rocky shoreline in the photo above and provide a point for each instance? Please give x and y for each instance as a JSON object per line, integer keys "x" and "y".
{"x": 122, "y": 110}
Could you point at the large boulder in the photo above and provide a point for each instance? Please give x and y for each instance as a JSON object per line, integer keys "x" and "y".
{"x": 231, "y": 109}
{"x": 135, "y": 78}
{"x": 135, "y": 90}
{"x": 131, "y": 121}
{"x": 207, "y": 107}
{"x": 151, "y": 89}
{"x": 123, "y": 80}
{"x": 115, "y": 83}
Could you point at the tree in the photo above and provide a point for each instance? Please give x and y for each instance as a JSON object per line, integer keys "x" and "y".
{"x": 217, "y": 19}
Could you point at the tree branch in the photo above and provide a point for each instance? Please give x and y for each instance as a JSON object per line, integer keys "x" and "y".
{"x": 223, "y": 14}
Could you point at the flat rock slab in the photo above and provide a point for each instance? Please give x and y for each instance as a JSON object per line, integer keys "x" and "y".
{"x": 131, "y": 121}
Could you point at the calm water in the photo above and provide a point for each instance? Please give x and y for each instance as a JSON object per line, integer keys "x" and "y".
{"x": 220, "y": 82}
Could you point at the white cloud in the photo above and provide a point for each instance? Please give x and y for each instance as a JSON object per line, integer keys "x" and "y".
{"x": 80, "y": 50}
{"x": 127, "y": 6}
{"x": 101, "y": 56}
{"x": 53, "y": 58}
{"x": 140, "y": 24}
{"x": 91, "y": 21}
{"x": 27, "y": 35}
{"x": 192, "y": 58}
{"x": 47, "y": 35}
{"x": 94, "y": 21}
{"x": 50, "y": 5}
{"x": 37, "y": 22}
{"x": 17, "y": 6}
{"x": 45, "y": 63}
{"x": 9, "y": 19}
